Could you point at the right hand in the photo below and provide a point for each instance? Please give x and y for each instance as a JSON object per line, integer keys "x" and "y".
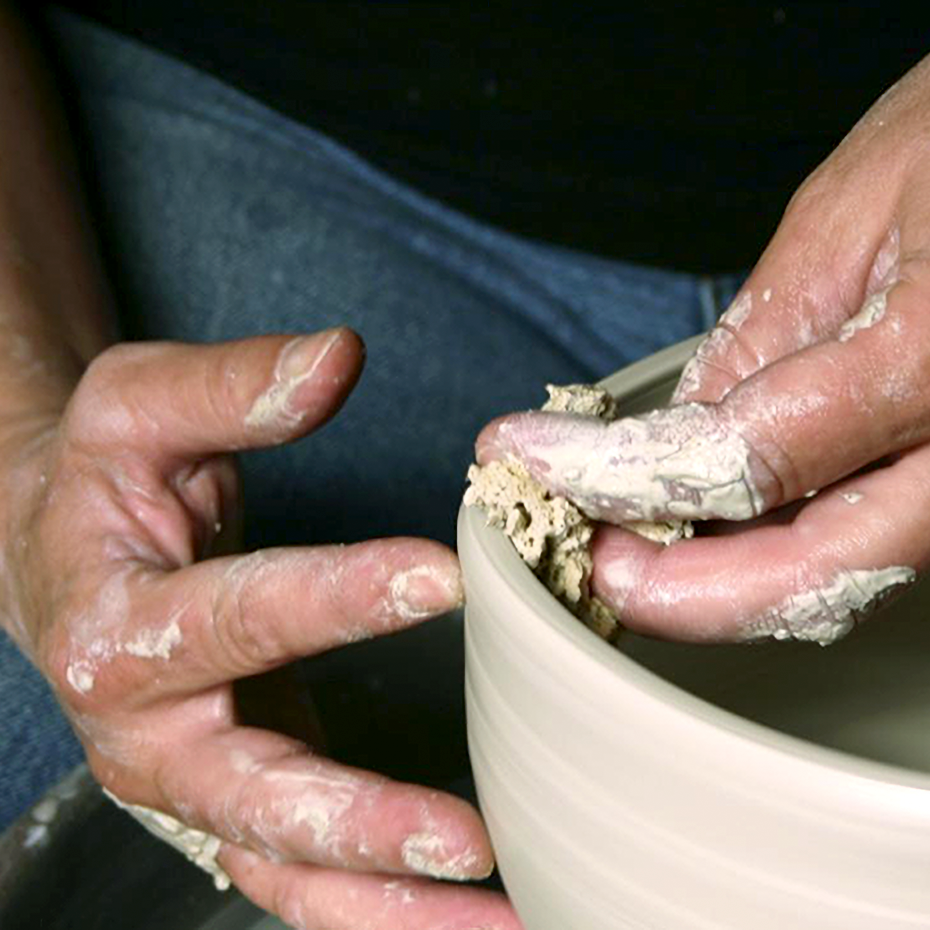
{"x": 805, "y": 414}
{"x": 108, "y": 513}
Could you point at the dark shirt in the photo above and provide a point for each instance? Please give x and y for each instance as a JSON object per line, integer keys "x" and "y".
{"x": 659, "y": 132}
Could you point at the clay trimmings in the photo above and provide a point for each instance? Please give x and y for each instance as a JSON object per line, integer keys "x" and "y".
{"x": 199, "y": 847}
{"x": 550, "y": 533}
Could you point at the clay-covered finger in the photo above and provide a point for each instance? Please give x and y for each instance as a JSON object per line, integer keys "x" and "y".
{"x": 838, "y": 244}
{"x": 797, "y": 425}
{"x": 801, "y": 293}
{"x": 312, "y": 898}
{"x": 679, "y": 463}
{"x": 812, "y": 576}
{"x": 178, "y": 402}
{"x": 245, "y": 614}
{"x": 266, "y": 793}
{"x": 144, "y": 634}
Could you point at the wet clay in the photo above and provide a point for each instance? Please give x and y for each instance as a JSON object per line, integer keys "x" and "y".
{"x": 550, "y": 533}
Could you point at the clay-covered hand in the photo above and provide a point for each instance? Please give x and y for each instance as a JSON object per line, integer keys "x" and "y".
{"x": 810, "y": 399}
{"x": 107, "y": 513}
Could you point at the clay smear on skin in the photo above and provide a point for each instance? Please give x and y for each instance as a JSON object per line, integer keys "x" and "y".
{"x": 884, "y": 270}
{"x": 156, "y": 644}
{"x": 98, "y": 636}
{"x": 738, "y": 312}
{"x": 118, "y": 744}
{"x": 872, "y": 312}
{"x": 95, "y": 634}
{"x": 199, "y": 847}
{"x": 825, "y": 615}
{"x": 272, "y": 408}
{"x": 400, "y": 892}
{"x": 882, "y": 278}
{"x": 318, "y": 800}
{"x": 427, "y": 853}
{"x": 714, "y": 346}
{"x": 706, "y": 356}
{"x": 678, "y": 461}
{"x": 402, "y": 601}
{"x": 316, "y": 795}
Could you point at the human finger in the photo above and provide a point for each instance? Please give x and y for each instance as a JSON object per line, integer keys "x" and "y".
{"x": 266, "y": 792}
{"x": 241, "y": 615}
{"x": 838, "y": 244}
{"x": 313, "y": 898}
{"x": 679, "y": 463}
{"x": 177, "y": 402}
{"x": 811, "y": 576}
{"x": 797, "y": 425}
{"x": 813, "y": 277}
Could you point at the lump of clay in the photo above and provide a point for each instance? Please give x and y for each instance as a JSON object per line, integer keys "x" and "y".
{"x": 550, "y": 533}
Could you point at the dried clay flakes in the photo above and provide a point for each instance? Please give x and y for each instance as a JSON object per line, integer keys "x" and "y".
{"x": 550, "y": 533}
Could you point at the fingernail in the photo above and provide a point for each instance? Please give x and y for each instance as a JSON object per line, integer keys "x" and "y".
{"x": 426, "y": 590}
{"x": 492, "y": 442}
{"x": 298, "y": 361}
{"x": 303, "y": 355}
{"x": 616, "y": 581}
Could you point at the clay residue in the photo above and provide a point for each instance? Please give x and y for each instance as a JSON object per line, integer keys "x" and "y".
{"x": 426, "y": 854}
{"x": 581, "y": 399}
{"x": 199, "y": 847}
{"x": 825, "y": 615}
{"x": 872, "y": 312}
{"x": 550, "y": 533}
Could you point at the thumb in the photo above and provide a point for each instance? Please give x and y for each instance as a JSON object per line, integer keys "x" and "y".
{"x": 178, "y": 402}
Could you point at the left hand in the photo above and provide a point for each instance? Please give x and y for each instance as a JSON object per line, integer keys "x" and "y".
{"x": 106, "y": 581}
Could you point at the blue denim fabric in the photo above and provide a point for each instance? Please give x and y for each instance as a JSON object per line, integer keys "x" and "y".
{"x": 223, "y": 219}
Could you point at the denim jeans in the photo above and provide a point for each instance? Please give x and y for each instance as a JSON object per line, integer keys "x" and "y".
{"x": 220, "y": 219}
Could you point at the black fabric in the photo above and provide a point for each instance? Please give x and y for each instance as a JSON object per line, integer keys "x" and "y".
{"x": 660, "y": 132}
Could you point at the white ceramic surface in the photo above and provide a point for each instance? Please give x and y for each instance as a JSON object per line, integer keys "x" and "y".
{"x": 670, "y": 787}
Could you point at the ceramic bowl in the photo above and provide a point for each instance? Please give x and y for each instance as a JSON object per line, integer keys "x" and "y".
{"x": 771, "y": 787}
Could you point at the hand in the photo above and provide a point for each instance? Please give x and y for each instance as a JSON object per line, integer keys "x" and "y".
{"x": 106, "y": 512}
{"x": 815, "y": 381}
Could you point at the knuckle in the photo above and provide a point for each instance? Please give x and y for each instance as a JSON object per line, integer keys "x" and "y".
{"x": 809, "y": 202}
{"x": 107, "y": 368}
{"x": 99, "y": 402}
{"x": 250, "y": 820}
{"x": 290, "y": 905}
{"x": 243, "y": 644}
{"x": 68, "y": 674}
